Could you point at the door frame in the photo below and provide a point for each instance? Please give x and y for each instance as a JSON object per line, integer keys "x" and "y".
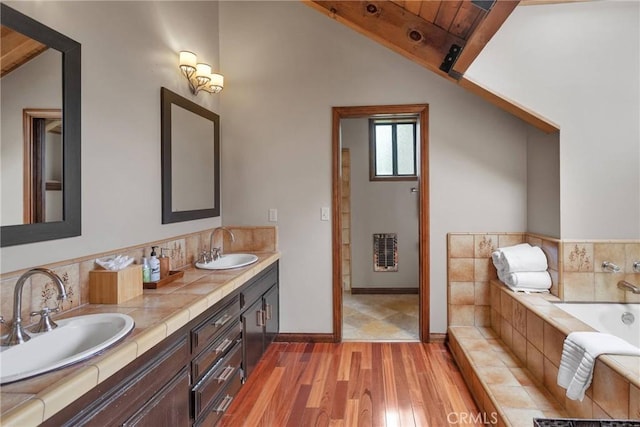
{"x": 338, "y": 113}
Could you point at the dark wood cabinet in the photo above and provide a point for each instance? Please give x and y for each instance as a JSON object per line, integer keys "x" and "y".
{"x": 192, "y": 376}
{"x": 261, "y": 320}
{"x": 170, "y": 406}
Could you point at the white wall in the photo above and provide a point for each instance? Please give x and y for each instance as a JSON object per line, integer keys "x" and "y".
{"x": 379, "y": 207}
{"x": 578, "y": 64}
{"x": 543, "y": 183}
{"x": 129, "y": 50}
{"x": 285, "y": 66}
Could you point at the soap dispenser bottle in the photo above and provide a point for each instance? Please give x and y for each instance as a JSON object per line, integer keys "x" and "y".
{"x": 146, "y": 270}
{"x": 164, "y": 264}
{"x": 154, "y": 264}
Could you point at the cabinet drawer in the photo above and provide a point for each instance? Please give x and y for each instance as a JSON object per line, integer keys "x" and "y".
{"x": 213, "y": 414}
{"x": 210, "y": 355}
{"x": 202, "y": 335}
{"x": 255, "y": 288}
{"x": 221, "y": 376}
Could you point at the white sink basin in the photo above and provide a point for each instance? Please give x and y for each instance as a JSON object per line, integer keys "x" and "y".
{"x": 228, "y": 261}
{"x": 75, "y": 339}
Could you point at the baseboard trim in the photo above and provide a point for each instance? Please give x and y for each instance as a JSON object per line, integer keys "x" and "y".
{"x": 437, "y": 337}
{"x": 312, "y": 338}
{"x": 361, "y": 291}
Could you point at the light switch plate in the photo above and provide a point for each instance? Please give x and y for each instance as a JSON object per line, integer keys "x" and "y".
{"x": 273, "y": 215}
{"x": 324, "y": 213}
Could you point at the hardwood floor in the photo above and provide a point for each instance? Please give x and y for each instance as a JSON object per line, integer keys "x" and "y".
{"x": 354, "y": 384}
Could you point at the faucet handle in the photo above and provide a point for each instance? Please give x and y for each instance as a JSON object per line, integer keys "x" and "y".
{"x": 45, "y": 324}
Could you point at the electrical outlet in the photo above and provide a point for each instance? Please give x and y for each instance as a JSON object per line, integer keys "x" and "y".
{"x": 273, "y": 215}
{"x": 324, "y": 214}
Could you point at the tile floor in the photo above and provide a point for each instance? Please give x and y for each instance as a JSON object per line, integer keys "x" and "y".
{"x": 387, "y": 317}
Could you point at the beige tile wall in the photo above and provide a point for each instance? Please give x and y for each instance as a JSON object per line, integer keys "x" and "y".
{"x": 470, "y": 269}
{"x": 584, "y": 279}
{"x": 38, "y": 291}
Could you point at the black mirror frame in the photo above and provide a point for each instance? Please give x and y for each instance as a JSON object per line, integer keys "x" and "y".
{"x": 71, "y": 226}
{"x": 167, "y": 98}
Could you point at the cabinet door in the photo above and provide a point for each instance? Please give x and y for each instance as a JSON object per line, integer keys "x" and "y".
{"x": 252, "y": 336}
{"x": 272, "y": 316}
{"x": 169, "y": 407}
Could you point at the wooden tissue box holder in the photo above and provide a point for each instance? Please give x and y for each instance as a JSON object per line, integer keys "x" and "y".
{"x": 115, "y": 287}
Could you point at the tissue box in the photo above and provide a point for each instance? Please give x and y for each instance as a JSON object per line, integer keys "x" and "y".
{"x": 114, "y": 287}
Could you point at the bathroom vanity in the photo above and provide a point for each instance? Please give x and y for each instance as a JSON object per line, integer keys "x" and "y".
{"x": 188, "y": 377}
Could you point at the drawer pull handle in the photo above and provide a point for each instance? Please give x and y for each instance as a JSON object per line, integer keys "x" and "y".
{"x": 221, "y": 321}
{"x": 224, "y": 404}
{"x": 226, "y": 373}
{"x": 224, "y": 345}
{"x": 260, "y": 318}
{"x": 269, "y": 311}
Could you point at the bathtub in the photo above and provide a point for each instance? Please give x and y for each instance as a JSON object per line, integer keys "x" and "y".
{"x": 608, "y": 318}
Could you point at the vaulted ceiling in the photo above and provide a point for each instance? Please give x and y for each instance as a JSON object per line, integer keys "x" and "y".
{"x": 443, "y": 36}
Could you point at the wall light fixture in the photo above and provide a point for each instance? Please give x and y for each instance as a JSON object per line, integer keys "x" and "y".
{"x": 199, "y": 74}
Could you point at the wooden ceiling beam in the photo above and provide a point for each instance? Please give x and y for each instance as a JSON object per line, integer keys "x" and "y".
{"x": 487, "y": 28}
{"x": 16, "y": 49}
{"x": 392, "y": 26}
{"x": 509, "y": 106}
{"x": 393, "y": 31}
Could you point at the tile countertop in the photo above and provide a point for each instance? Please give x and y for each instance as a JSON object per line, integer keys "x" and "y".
{"x": 31, "y": 401}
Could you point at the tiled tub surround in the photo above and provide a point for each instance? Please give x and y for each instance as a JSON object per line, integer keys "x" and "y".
{"x": 575, "y": 268}
{"x": 535, "y": 330}
{"x": 470, "y": 270}
{"x": 512, "y": 367}
{"x": 157, "y": 314}
{"x": 584, "y": 279}
{"x": 509, "y": 344}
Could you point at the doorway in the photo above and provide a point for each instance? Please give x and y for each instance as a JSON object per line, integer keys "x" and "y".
{"x": 341, "y": 270}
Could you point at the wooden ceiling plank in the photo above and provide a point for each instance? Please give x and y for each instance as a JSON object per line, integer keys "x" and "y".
{"x": 464, "y": 19}
{"x": 483, "y": 33}
{"x": 446, "y": 13}
{"x": 399, "y": 2}
{"x": 429, "y": 10}
{"x": 509, "y": 106}
{"x": 391, "y": 27}
{"x": 16, "y": 50}
{"x": 413, "y": 6}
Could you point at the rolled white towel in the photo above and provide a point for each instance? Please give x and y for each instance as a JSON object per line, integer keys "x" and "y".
{"x": 498, "y": 258}
{"x": 524, "y": 259}
{"x": 528, "y": 279}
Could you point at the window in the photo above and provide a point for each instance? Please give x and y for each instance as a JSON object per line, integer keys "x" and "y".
{"x": 392, "y": 149}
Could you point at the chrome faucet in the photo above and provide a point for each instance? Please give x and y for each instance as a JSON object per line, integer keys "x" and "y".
{"x": 216, "y": 253}
{"x": 611, "y": 267}
{"x": 626, "y": 286}
{"x": 17, "y": 335}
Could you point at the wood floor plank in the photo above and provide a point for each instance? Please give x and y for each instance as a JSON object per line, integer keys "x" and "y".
{"x": 352, "y": 384}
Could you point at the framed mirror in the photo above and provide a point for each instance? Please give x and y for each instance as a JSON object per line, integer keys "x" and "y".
{"x": 190, "y": 159}
{"x": 41, "y": 198}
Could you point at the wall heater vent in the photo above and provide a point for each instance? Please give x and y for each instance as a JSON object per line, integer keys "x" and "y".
{"x": 385, "y": 252}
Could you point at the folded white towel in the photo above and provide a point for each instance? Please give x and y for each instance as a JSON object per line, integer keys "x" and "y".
{"x": 497, "y": 257}
{"x": 522, "y": 258}
{"x": 528, "y": 279}
{"x": 579, "y": 354}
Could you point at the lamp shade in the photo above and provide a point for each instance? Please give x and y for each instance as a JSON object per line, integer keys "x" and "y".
{"x": 217, "y": 80}
{"x": 188, "y": 59}
{"x": 203, "y": 71}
